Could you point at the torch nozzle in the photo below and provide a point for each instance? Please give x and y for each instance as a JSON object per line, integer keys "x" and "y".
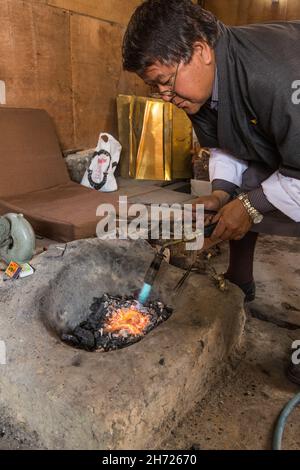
{"x": 150, "y": 276}
{"x": 154, "y": 268}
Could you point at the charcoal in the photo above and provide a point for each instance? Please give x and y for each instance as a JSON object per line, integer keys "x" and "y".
{"x": 91, "y": 334}
{"x": 85, "y": 337}
{"x": 70, "y": 339}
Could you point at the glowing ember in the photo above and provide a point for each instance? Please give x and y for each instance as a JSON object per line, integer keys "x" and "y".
{"x": 128, "y": 319}
{"x": 116, "y": 322}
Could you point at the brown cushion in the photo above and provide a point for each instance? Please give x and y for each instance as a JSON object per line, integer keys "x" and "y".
{"x": 63, "y": 213}
{"x": 34, "y": 179}
{"x": 30, "y": 157}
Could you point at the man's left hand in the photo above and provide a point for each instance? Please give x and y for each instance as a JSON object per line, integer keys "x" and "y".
{"x": 233, "y": 222}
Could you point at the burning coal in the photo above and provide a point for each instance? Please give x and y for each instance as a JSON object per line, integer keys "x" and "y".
{"x": 116, "y": 322}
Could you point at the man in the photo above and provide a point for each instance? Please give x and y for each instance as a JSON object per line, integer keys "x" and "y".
{"x": 239, "y": 87}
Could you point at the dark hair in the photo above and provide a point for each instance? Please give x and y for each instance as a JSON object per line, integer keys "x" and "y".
{"x": 165, "y": 31}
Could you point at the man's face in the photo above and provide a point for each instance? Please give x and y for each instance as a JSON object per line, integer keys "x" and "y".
{"x": 191, "y": 83}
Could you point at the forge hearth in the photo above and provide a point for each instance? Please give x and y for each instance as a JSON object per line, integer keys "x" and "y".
{"x": 116, "y": 322}
{"x": 129, "y": 398}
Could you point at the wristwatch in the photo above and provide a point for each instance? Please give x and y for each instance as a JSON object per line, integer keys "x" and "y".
{"x": 256, "y": 216}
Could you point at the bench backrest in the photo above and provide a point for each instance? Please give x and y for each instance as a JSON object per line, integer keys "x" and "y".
{"x": 30, "y": 156}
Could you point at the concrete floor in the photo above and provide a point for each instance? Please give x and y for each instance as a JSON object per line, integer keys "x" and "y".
{"x": 241, "y": 411}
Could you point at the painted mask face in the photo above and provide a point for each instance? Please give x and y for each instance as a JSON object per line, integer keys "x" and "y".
{"x": 100, "y": 174}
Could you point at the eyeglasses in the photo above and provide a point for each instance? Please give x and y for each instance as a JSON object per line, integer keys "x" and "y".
{"x": 169, "y": 93}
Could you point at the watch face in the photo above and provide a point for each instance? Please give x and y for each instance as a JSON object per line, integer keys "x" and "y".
{"x": 258, "y": 219}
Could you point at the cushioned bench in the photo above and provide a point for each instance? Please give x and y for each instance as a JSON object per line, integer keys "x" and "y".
{"x": 34, "y": 179}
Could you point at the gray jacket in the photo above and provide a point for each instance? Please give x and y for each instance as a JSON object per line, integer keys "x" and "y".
{"x": 256, "y": 118}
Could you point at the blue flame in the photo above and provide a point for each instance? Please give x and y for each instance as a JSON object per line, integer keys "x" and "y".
{"x": 145, "y": 292}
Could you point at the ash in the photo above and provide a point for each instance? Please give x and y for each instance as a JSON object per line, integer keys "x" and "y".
{"x": 91, "y": 336}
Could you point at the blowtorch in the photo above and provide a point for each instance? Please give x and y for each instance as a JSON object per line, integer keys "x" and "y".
{"x": 156, "y": 263}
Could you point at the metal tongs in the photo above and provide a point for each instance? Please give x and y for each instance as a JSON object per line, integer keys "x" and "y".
{"x": 208, "y": 231}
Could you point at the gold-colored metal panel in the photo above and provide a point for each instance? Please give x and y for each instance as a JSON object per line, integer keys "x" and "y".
{"x": 156, "y": 138}
{"x": 181, "y": 145}
{"x": 150, "y": 161}
{"x": 168, "y": 136}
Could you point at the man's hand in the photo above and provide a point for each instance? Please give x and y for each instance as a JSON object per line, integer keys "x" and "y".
{"x": 213, "y": 202}
{"x": 233, "y": 222}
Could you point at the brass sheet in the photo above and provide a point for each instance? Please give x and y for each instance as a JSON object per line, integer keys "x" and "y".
{"x": 156, "y": 138}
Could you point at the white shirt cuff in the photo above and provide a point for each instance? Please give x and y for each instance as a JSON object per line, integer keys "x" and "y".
{"x": 224, "y": 166}
{"x": 284, "y": 193}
